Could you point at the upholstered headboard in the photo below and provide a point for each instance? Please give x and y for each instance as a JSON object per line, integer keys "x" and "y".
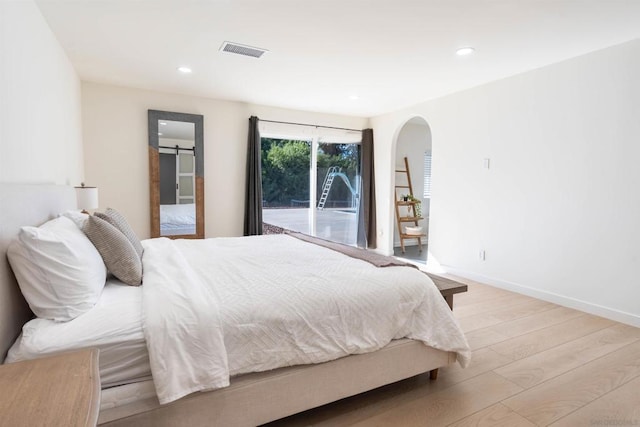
{"x": 23, "y": 204}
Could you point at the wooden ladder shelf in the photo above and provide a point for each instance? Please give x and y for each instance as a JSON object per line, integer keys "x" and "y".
{"x": 411, "y": 216}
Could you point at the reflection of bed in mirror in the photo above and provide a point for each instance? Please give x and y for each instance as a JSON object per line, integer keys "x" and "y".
{"x": 177, "y": 219}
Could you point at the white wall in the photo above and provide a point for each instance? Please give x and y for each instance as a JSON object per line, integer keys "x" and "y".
{"x": 558, "y": 212}
{"x": 116, "y": 154}
{"x": 40, "y": 114}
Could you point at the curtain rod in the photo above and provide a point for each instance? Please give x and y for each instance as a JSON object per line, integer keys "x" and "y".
{"x": 306, "y": 124}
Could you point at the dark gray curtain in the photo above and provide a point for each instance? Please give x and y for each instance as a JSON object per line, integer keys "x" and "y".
{"x": 367, "y": 210}
{"x": 253, "y": 202}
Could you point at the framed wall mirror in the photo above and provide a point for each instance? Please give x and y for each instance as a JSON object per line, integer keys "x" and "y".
{"x": 176, "y": 174}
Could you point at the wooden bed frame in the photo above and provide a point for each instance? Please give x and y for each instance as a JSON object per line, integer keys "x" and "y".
{"x": 251, "y": 399}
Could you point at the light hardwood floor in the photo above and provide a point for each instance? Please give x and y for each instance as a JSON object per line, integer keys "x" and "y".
{"x": 534, "y": 364}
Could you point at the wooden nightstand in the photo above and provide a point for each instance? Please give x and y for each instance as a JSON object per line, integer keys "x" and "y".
{"x": 60, "y": 390}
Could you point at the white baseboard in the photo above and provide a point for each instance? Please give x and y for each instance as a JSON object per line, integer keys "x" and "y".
{"x": 588, "y": 307}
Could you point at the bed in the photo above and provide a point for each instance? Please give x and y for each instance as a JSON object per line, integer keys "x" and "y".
{"x": 251, "y": 398}
{"x": 178, "y": 220}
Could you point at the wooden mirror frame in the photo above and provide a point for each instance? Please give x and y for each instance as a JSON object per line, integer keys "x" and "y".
{"x": 154, "y": 170}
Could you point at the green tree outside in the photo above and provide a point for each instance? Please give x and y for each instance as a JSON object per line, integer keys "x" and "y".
{"x": 285, "y": 172}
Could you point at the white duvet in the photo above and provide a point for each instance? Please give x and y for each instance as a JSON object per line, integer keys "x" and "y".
{"x": 219, "y": 307}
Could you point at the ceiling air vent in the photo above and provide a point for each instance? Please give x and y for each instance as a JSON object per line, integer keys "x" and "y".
{"x": 240, "y": 49}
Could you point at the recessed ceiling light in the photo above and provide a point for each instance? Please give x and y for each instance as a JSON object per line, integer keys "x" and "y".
{"x": 163, "y": 123}
{"x": 465, "y": 51}
{"x": 159, "y": 133}
{"x": 354, "y": 97}
{"x": 185, "y": 70}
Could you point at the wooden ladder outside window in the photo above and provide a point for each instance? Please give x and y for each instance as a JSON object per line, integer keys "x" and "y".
{"x": 411, "y": 216}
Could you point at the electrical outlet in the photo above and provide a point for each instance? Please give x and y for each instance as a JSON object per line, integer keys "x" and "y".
{"x": 481, "y": 255}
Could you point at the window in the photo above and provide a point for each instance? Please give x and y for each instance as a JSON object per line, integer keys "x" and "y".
{"x": 427, "y": 175}
{"x": 311, "y": 182}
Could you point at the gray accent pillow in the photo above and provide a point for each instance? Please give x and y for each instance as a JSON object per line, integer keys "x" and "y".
{"x": 116, "y": 219}
{"x": 116, "y": 250}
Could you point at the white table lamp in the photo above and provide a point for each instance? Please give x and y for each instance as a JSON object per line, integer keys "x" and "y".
{"x": 87, "y": 197}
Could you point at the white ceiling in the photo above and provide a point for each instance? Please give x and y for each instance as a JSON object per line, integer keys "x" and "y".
{"x": 390, "y": 53}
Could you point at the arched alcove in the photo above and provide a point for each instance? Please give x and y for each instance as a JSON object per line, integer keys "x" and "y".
{"x": 413, "y": 141}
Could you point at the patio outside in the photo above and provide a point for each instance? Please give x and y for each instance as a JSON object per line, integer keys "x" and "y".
{"x": 336, "y": 224}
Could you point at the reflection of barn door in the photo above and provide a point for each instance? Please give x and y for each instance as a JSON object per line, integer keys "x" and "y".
{"x": 186, "y": 177}
{"x": 167, "y": 179}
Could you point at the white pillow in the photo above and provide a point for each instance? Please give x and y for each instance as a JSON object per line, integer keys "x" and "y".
{"x": 59, "y": 271}
{"x": 79, "y": 218}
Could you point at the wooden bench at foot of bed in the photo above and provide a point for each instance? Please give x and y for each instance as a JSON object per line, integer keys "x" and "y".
{"x": 447, "y": 287}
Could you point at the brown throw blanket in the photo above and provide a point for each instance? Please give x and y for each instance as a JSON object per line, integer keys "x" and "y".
{"x": 444, "y": 284}
{"x": 361, "y": 254}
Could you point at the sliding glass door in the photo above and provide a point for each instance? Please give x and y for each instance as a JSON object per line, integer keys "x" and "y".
{"x": 337, "y": 192}
{"x": 285, "y": 183}
{"x": 312, "y": 186}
